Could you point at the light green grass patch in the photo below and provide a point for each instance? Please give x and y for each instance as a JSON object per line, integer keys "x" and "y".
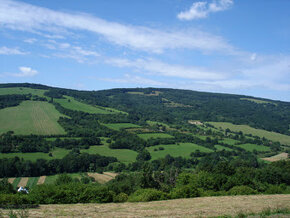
{"x": 123, "y": 155}
{"x": 57, "y": 153}
{"x": 31, "y": 117}
{"x": 16, "y": 182}
{"x": 152, "y": 123}
{"x": 147, "y": 136}
{"x": 258, "y": 101}
{"x": 283, "y": 139}
{"x": 229, "y": 141}
{"x": 22, "y": 91}
{"x": 51, "y": 179}
{"x": 51, "y": 139}
{"x": 252, "y": 147}
{"x": 183, "y": 150}
{"x": 118, "y": 126}
{"x": 32, "y": 181}
{"x": 220, "y": 148}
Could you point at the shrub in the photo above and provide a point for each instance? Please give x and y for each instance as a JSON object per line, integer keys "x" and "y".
{"x": 122, "y": 197}
{"x": 242, "y": 190}
{"x": 186, "y": 191}
{"x": 148, "y": 195}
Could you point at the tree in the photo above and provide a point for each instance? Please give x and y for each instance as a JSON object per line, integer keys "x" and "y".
{"x": 144, "y": 155}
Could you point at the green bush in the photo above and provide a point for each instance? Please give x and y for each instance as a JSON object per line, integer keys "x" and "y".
{"x": 15, "y": 199}
{"x": 6, "y": 187}
{"x": 122, "y": 197}
{"x": 275, "y": 189}
{"x": 186, "y": 191}
{"x": 242, "y": 190}
{"x": 149, "y": 194}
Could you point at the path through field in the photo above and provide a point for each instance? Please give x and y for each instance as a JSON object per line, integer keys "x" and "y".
{"x": 194, "y": 207}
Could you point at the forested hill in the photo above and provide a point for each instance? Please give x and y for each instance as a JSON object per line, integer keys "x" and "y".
{"x": 175, "y": 106}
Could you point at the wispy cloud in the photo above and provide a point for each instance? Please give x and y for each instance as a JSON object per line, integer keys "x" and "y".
{"x": 202, "y": 9}
{"x": 135, "y": 80}
{"x": 27, "y": 17}
{"x": 11, "y": 51}
{"x": 24, "y": 72}
{"x": 160, "y": 68}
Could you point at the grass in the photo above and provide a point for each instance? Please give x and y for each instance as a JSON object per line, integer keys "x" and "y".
{"x": 229, "y": 141}
{"x": 118, "y": 126}
{"x": 72, "y": 104}
{"x": 57, "y": 153}
{"x": 257, "y": 101}
{"x": 123, "y": 155}
{"x": 32, "y": 181}
{"x": 152, "y": 123}
{"x": 22, "y": 91}
{"x": 220, "y": 148}
{"x": 232, "y": 206}
{"x": 147, "y": 136}
{"x": 16, "y": 182}
{"x": 31, "y": 117}
{"x": 282, "y": 156}
{"x": 252, "y": 147}
{"x": 283, "y": 139}
{"x": 175, "y": 150}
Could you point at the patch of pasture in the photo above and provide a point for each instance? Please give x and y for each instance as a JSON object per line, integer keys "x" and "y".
{"x": 252, "y": 147}
{"x": 152, "y": 123}
{"x": 220, "y": 148}
{"x": 118, "y": 126}
{"x": 22, "y": 91}
{"x": 175, "y": 150}
{"x": 32, "y": 181}
{"x": 284, "y": 139}
{"x": 258, "y": 101}
{"x": 229, "y": 141}
{"x": 282, "y": 156}
{"x": 147, "y": 136}
{"x": 16, "y": 182}
{"x": 31, "y": 117}
{"x": 72, "y": 104}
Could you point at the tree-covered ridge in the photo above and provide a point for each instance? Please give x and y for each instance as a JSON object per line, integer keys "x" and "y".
{"x": 178, "y": 106}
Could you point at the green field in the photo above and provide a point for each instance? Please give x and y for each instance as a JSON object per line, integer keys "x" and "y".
{"x": 220, "y": 148}
{"x": 151, "y": 123}
{"x": 175, "y": 150}
{"x": 31, "y": 117}
{"x": 32, "y": 181}
{"x": 258, "y": 101}
{"x": 22, "y": 91}
{"x": 229, "y": 141}
{"x": 252, "y": 147}
{"x": 123, "y": 155}
{"x": 283, "y": 139}
{"x": 72, "y": 104}
{"x": 15, "y": 182}
{"x": 118, "y": 126}
{"x": 147, "y": 136}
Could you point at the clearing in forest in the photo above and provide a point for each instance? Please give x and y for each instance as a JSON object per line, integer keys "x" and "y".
{"x": 284, "y": 139}
{"x": 175, "y": 150}
{"x": 31, "y": 117}
{"x": 147, "y": 136}
{"x": 118, "y": 126}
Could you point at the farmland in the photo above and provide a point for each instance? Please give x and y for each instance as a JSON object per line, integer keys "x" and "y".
{"x": 72, "y": 104}
{"x": 284, "y": 139}
{"x": 118, "y": 126}
{"x": 282, "y": 156}
{"x": 31, "y": 117}
{"x": 22, "y": 91}
{"x": 220, "y": 148}
{"x": 252, "y": 147}
{"x": 147, "y": 136}
{"x": 225, "y": 206}
{"x": 175, "y": 150}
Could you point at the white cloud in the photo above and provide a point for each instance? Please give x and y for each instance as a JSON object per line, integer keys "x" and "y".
{"x": 30, "y": 40}
{"x": 11, "y": 51}
{"x": 25, "y": 72}
{"x": 27, "y": 17}
{"x": 202, "y": 9}
{"x": 160, "y": 68}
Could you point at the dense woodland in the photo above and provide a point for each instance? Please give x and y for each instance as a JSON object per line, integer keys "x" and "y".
{"x": 221, "y": 172}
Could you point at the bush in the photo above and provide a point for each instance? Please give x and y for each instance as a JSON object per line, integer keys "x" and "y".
{"x": 275, "y": 189}
{"x": 148, "y": 195}
{"x": 6, "y": 187}
{"x": 122, "y": 197}
{"x": 63, "y": 179}
{"x": 15, "y": 199}
{"x": 242, "y": 190}
{"x": 186, "y": 191}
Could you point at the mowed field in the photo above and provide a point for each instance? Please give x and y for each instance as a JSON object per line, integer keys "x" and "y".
{"x": 118, "y": 126}
{"x": 22, "y": 91}
{"x": 282, "y": 156}
{"x": 31, "y": 117}
{"x": 175, "y": 150}
{"x": 284, "y": 139}
{"x": 252, "y": 147}
{"x": 225, "y": 206}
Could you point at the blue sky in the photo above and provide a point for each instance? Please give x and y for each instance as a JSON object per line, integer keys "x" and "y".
{"x": 227, "y": 46}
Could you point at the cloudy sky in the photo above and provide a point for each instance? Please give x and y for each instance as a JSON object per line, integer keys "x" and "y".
{"x": 228, "y": 46}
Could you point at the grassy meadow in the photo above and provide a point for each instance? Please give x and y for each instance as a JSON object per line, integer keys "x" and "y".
{"x": 252, "y": 147}
{"x": 220, "y": 148}
{"x": 22, "y": 91}
{"x": 284, "y": 139}
{"x": 118, "y": 126}
{"x": 147, "y": 136}
{"x": 31, "y": 117}
{"x": 175, "y": 150}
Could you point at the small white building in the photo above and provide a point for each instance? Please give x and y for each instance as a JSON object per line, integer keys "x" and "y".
{"x": 21, "y": 189}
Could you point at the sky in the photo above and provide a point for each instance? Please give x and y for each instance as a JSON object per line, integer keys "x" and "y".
{"x": 224, "y": 46}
